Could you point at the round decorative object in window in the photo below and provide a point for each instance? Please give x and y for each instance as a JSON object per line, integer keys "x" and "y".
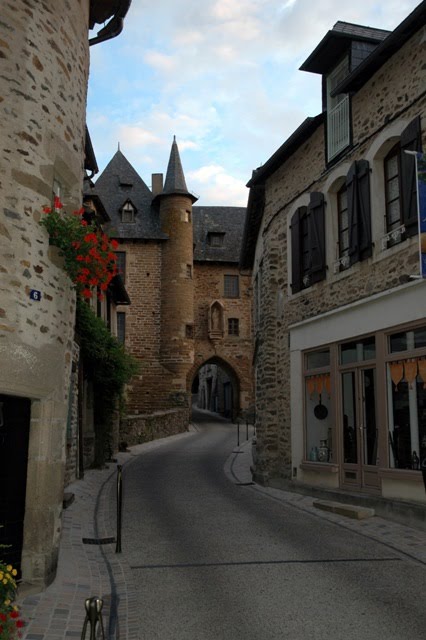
{"x": 320, "y": 411}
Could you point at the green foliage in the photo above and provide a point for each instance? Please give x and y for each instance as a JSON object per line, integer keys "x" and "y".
{"x": 105, "y": 359}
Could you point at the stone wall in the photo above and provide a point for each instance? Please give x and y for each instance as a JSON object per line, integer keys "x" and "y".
{"x": 381, "y": 110}
{"x": 159, "y": 424}
{"x": 44, "y": 60}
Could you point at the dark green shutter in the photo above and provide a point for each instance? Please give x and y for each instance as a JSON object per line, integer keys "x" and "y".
{"x": 296, "y": 250}
{"x": 364, "y": 209}
{"x": 410, "y": 140}
{"x": 359, "y": 210}
{"x": 351, "y": 188}
{"x": 316, "y": 233}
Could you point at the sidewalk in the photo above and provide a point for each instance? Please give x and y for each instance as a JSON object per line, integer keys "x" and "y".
{"x": 87, "y": 570}
{"x": 96, "y": 570}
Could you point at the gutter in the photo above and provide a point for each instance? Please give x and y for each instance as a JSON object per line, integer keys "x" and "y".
{"x": 115, "y": 26}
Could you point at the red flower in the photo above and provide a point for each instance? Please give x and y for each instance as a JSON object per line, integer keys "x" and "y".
{"x": 14, "y": 614}
{"x": 2, "y": 617}
{"x": 94, "y": 281}
{"x": 84, "y": 223}
{"x": 76, "y": 245}
{"x": 114, "y": 244}
{"x": 57, "y": 204}
{"x": 91, "y": 237}
{"x": 47, "y": 209}
{"x": 87, "y": 293}
{"x": 104, "y": 286}
{"x": 19, "y": 624}
{"x": 80, "y": 258}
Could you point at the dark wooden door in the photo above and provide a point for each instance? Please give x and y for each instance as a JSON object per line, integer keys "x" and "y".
{"x": 14, "y": 436}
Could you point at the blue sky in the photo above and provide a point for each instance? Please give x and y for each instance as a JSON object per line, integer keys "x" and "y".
{"x": 221, "y": 75}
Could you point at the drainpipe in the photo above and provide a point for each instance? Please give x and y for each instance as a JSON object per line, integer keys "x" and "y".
{"x": 115, "y": 26}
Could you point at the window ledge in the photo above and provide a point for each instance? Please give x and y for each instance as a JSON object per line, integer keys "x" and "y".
{"x": 319, "y": 467}
{"x": 402, "y": 474}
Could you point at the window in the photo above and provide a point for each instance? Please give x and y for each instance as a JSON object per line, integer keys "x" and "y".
{"x": 319, "y": 438}
{"x": 121, "y": 263}
{"x": 189, "y": 331}
{"x": 359, "y": 211}
{"x": 407, "y": 399}
{"x": 233, "y": 326}
{"x": 342, "y": 209}
{"x": 351, "y": 352}
{"x": 215, "y": 239}
{"x": 128, "y": 212}
{"x": 392, "y": 171}
{"x": 231, "y": 287}
{"x": 401, "y": 187}
{"x": 308, "y": 244}
{"x": 121, "y": 327}
{"x": 189, "y": 271}
{"x": 338, "y": 124}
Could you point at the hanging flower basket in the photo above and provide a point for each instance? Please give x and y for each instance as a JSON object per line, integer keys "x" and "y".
{"x": 88, "y": 252}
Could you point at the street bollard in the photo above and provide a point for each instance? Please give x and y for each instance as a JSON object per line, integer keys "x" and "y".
{"x": 238, "y": 433}
{"x": 119, "y": 506}
{"x": 93, "y": 616}
{"x": 247, "y": 429}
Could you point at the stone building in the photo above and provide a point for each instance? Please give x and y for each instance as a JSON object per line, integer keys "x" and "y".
{"x": 191, "y": 303}
{"x": 340, "y": 310}
{"x": 44, "y": 59}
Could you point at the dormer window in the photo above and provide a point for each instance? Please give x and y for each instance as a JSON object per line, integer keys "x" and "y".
{"x": 338, "y": 124}
{"x": 215, "y": 239}
{"x": 128, "y": 212}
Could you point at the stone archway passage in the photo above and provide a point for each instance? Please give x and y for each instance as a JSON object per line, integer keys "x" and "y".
{"x": 218, "y": 388}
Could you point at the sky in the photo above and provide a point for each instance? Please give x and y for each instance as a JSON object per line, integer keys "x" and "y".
{"x": 221, "y": 75}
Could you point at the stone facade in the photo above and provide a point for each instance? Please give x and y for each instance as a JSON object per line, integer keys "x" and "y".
{"x": 173, "y": 277}
{"x": 289, "y": 323}
{"x": 44, "y": 59}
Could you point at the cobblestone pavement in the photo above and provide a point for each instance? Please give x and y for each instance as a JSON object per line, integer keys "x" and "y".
{"x": 86, "y": 570}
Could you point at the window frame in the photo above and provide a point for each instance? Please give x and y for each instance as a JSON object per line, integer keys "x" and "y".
{"x": 233, "y": 327}
{"x": 389, "y": 227}
{"x": 231, "y": 291}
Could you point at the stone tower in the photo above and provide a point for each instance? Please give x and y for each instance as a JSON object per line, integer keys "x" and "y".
{"x": 177, "y": 285}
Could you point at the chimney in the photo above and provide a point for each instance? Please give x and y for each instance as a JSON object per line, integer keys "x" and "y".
{"x": 157, "y": 184}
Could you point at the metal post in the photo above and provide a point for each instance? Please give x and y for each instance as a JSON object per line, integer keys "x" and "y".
{"x": 93, "y": 616}
{"x": 246, "y": 428}
{"x": 119, "y": 506}
{"x": 238, "y": 433}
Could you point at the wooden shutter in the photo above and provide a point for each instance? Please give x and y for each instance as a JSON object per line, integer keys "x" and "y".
{"x": 410, "y": 140}
{"x": 316, "y": 231}
{"x": 296, "y": 250}
{"x": 351, "y": 187}
{"x": 364, "y": 208}
{"x": 359, "y": 210}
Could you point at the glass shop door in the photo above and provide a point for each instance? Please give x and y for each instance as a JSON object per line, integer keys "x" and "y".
{"x": 359, "y": 429}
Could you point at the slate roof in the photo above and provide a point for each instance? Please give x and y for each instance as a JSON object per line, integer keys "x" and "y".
{"x": 336, "y": 42}
{"x": 118, "y": 183}
{"x": 227, "y": 220}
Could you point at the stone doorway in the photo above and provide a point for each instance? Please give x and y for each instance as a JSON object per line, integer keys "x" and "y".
{"x": 15, "y": 415}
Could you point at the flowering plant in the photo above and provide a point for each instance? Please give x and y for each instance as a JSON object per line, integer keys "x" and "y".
{"x": 10, "y": 622}
{"x": 88, "y": 252}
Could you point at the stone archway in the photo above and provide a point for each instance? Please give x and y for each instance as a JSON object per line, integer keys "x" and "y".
{"x": 218, "y": 387}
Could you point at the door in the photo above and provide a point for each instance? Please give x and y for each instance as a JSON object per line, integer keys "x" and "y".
{"x": 14, "y": 437}
{"x": 359, "y": 427}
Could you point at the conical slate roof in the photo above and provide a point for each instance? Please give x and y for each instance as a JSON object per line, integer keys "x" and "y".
{"x": 119, "y": 183}
{"x": 175, "y": 178}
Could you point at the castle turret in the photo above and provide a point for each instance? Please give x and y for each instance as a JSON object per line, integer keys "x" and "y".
{"x": 177, "y": 294}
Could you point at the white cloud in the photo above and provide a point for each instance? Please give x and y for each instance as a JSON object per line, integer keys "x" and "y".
{"x": 221, "y": 75}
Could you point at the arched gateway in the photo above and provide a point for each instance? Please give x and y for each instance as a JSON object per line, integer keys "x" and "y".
{"x": 215, "y": 386}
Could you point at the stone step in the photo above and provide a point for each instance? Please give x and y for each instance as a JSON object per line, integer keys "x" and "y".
{"x": 348, "y": 510}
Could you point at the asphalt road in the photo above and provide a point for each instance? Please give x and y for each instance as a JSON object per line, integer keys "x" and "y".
{"x": 214, "y": 560}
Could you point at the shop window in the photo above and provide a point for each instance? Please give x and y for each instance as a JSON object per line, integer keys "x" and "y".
{"x": 318, "y": 427}
{"x": 352, "y": 352}
{"x": 406, "y": 378}
{"x": 233, "y": 327}
{"x": 231, "y": 286}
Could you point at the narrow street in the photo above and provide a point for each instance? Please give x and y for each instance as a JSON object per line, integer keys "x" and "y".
{"x": 215, "y": 560}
